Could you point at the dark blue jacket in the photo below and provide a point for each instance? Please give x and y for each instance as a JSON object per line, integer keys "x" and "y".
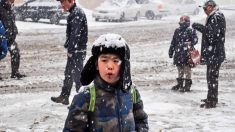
{"x": 8, "y": 20}
{"x": 114, "y": 111}
{"x": 179, "y": 44}
{"x": 213, "y": 39}
{"x": 76, "y": 31}
{"x": 3, "y": 42}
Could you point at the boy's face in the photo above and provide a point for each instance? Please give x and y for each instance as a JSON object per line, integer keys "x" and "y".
{"x": 109, "y": 67}
{"x": 66, "y": 4}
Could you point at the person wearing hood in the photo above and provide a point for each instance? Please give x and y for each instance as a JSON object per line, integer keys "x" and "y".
{"x": 184, "y": 38}
{"x": 76, "y": 45}
{"x": 212, "y": 49}
{"x": 8, "y": 19}
{"x": 108, "y": 101}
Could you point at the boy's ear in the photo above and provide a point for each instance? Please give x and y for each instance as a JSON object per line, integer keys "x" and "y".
{"x": 89, "y": 71}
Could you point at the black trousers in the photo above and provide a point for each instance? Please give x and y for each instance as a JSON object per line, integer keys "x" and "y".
{"x": 212, "y": 82}
{"x": 15, "y": 57}
{"x": 72, "y": 73}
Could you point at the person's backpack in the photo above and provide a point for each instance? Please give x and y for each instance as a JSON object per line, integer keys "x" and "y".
{"x": 92, "y": 90}
{"x": 3, "y": 42}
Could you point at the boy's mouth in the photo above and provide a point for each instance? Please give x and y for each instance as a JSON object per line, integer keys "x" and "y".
{"x": 110, "y": 75}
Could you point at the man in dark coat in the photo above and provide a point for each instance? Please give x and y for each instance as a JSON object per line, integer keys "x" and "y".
{"x": 76, "y": 44}
{"x": 212, "y": 51}
{"x": 8, "y": 19}
{"x": 183, "y": 39}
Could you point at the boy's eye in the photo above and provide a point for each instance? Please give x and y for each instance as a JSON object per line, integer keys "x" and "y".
{"x": 104, "y": 60}
{"x": 117, "y": 61}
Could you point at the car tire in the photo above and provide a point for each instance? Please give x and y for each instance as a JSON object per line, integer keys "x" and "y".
{"x": 122, "y": 17}
{"x": 35, "y": 19}
{"x": 150, "y": 15}
{"x": 54, "y": 19}
{"x": 96, "y": 19}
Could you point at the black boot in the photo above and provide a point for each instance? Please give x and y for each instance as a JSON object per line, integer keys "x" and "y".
{"x": 61, "y": 99}
{"x": 17, "y": 75}
{"x": 186, "y": 88}
{"x": 208, "y": 103}
{"x": 179, "y": 85}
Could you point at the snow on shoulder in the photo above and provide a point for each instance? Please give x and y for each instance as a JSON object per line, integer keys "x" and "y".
{"x": 110, "y": 40}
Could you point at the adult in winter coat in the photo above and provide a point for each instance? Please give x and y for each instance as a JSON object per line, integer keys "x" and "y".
{"x": 212, "y": 51}
{"x": 184, "y": 37}
{"x": 8, "y": 19}
{"x": 110, "y": 107}
{"x": 76, "y": 44}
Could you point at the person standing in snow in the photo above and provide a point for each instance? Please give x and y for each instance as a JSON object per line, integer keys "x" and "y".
{"x": 3, "y": 43}
{"x": 8, "y": 19}
{"x": 212, "y": 51}
{"x": 76, "y": 44}
{"x": 108, "y": 102}
{"x": 183, "y": 38}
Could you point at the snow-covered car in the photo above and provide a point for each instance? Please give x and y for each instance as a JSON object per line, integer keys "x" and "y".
{"x": 180, "y": 7}
{"x": 152, "y": 9}
{"x": 40, "y": 9}
{"x": 117, "y": 10}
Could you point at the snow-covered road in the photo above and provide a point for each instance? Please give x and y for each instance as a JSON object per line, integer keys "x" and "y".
{"x": 26, "y": 106}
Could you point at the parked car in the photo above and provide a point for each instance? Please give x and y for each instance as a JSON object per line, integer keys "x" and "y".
{"x": 179, "y": 7}
{"x": 120, "y": 11}
{"x": 40, "y": 9}
{"x": 152, "y": 9}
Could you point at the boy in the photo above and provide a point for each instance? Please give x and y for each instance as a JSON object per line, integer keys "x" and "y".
{"x": 183, "y": 38}
{"x": 107, "y": 103}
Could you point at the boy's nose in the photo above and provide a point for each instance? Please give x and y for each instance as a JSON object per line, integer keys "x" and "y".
{"x": 110, "y": 65}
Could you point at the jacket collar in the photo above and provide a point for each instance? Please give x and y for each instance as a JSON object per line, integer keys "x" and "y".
{"x": 72, "y": 7}
{"x": 101, "y": 84}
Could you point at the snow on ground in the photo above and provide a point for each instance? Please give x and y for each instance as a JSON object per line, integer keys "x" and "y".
{"x": 167, "y": 110}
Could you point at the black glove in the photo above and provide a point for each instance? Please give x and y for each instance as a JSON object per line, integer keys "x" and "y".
{"x": 170, "y": 55}
{"x": 197, "y": 26}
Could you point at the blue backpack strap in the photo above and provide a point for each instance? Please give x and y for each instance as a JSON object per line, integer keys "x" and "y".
{"x": 133, "y": 94}
{"x": 92, "y": 98}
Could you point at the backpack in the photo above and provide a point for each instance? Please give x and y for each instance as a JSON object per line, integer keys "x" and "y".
{"x": 92, "y": 90}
